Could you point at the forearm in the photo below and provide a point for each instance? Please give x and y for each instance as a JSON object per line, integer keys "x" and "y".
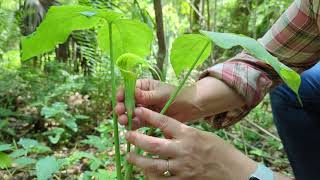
{"x": 236, "y": 164}
{"x": 210, "y": 96}
{"x": 243, "y": 166}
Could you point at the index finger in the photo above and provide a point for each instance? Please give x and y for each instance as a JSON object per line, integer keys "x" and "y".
{"x": 169, "y": 126}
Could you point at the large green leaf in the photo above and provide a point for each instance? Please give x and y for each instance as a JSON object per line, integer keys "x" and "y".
{"x": 128, "y": 36}
{"x": 46, "y": 167}
{"x": 60, "y": 21}
{"x": 186, "y": 49}
{"x": 5, "y": 161}
{"x": 229, "y": 40}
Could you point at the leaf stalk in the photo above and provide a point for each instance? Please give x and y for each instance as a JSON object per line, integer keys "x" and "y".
{"x": 179, "y": 88}
{"x": 113, "y": 101}
{"x": 130, "y": 84}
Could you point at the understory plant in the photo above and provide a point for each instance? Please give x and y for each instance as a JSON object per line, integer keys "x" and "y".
{"x": 130, "y": 66}
{"x": 116, "y": 35}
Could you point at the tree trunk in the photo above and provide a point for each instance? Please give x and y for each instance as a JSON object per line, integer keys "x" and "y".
{"x": 195, "y": 21}
{"x": 208, "y": 15}
{"x": 62, "y": 52}
{"x": 214, "y": 50}
{"x": 254, "y": 23}
{"x": 160, "y": 35}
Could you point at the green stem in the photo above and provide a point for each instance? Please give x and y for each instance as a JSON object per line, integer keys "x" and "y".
{"x": 130, "y": 84}
{"x": 114, "y": 116}
{"x": 181, "y": 84}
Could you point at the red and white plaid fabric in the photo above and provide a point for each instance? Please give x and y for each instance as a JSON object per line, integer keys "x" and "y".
{"x": 294, "y": 39}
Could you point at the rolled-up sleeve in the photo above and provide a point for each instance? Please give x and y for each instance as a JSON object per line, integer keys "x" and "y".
{"x": 293, "y": 39}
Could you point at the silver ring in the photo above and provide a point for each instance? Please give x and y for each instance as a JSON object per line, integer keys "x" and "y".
{"x": 167, "y": 173}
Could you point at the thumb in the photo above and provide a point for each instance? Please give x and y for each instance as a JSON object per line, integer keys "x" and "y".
{"x": 148, "y": 97}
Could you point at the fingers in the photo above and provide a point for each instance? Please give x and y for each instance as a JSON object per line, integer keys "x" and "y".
{"x": 148, "y": 97}
{"x": 123, "y": 118}
{"x": 136, "y": 123}
{"x": 166, "y": 124}
{"x": 144, "y": 93}
{"x": 120, "y": 109}
{"x": 145, "y": 84}
{"x": 152, "y": 166}
{"x": 153, "y": 145}
{"x": 120, "y": 94}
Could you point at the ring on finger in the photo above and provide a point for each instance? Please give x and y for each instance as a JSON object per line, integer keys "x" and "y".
{"x": 167, "y": 173}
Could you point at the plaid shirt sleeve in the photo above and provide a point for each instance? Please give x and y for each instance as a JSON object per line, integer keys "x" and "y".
{"x": 294, "y": 39}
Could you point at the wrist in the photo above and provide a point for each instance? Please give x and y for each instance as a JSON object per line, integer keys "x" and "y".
{"x": 262, "y": 173}
{"x": 213, "y": 96}
{"x": 239, "y": 164}
{"x": 231, "y": 159}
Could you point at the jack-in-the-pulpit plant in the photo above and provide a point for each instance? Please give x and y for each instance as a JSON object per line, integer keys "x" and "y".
{"x": 130, "y": 66}
{"x": 116, "y": 35}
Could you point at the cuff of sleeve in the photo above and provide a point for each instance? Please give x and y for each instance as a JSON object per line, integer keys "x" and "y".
{"x": 247, "y": 80}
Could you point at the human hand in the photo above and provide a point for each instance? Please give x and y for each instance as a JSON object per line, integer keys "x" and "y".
{"x": 192, "y": 154}
{"x": 153, "y": 95}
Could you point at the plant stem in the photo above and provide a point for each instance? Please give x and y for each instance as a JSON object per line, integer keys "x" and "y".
{"x": 130, "y": 84}
{"x": 114, "y": 116}
{"x": 179, "y": 88}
